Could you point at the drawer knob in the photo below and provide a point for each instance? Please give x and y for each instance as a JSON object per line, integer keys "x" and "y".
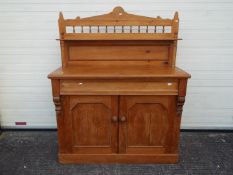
{"x": 123, "y": 119}
{"x": 114, "y": 119}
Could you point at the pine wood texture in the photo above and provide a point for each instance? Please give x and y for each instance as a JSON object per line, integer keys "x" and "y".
{"x": 148, "y": 122}
{"x": 88, "y": 120}
{"x": 118, "y": 70}
{"x": 120, "y": 87}
{"x": 118, "y": 95}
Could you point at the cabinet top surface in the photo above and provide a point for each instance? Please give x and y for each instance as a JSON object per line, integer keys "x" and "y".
{"x": 118, "y": 71}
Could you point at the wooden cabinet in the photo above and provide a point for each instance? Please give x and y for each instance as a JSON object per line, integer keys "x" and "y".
{"x": 118, "y": 95}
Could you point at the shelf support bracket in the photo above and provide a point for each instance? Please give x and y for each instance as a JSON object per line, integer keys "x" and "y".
{"x": 57, "y": 103}
{"x": 180, "y": 103}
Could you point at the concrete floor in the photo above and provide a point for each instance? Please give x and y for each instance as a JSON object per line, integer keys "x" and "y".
{"x": 35, "y": 152}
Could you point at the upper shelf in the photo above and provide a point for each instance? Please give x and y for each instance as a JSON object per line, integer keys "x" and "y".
{"x": 118, "y": 25}
{"x": 119, "y": 36}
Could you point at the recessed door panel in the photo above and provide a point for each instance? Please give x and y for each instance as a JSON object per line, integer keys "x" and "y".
{"x": 91, "y": 125}
{"x": 92, "y": 129}
{"x": 147, "y": 123}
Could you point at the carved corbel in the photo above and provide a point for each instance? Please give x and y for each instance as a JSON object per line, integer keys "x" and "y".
{"x": 180, "y": 103}
{"x": 57, "y": 102}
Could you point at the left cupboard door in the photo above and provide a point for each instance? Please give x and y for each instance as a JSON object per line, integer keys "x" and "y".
{"x": 90, "y": 124}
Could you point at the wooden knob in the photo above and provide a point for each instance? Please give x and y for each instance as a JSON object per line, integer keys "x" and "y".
{"x": 123, "y": 119}
{"x": 114, "y": 119}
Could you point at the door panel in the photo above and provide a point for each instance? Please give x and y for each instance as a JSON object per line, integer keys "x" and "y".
{"x": 91, "y": 125}
{"x": 147, "y": 125}
{"x": 92, "y": 128}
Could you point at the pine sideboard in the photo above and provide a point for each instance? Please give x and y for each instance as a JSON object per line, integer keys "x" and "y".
{"x": 118, "y": 94}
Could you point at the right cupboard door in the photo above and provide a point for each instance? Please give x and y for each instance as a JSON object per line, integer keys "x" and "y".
{"x": 146, "y": 124}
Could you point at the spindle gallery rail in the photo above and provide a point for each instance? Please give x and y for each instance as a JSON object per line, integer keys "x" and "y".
{"x": 118, "y": 29}
{"x": 118, "y": 25}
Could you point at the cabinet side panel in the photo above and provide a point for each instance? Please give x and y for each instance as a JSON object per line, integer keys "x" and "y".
{"x": 67, "y": 141}
{"x": 177, "y": 116}
{"x": 59, "y": 108}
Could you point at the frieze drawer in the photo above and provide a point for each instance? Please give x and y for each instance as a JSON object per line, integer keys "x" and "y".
{"x": 91, "y": 87}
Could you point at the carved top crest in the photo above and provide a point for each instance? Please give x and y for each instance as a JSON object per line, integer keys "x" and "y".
{"x": 118, "y": 17}
{"x": 119, "y": 13}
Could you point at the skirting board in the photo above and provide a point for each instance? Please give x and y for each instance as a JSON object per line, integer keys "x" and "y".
{"x": 118, "y": 158}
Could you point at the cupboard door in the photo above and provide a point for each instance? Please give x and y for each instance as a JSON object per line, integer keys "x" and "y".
{"x": 91, "y": 124}
{"x": 145, "y": 124}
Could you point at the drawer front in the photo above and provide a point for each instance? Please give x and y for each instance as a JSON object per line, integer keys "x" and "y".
{"x": 110, "y": 87}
